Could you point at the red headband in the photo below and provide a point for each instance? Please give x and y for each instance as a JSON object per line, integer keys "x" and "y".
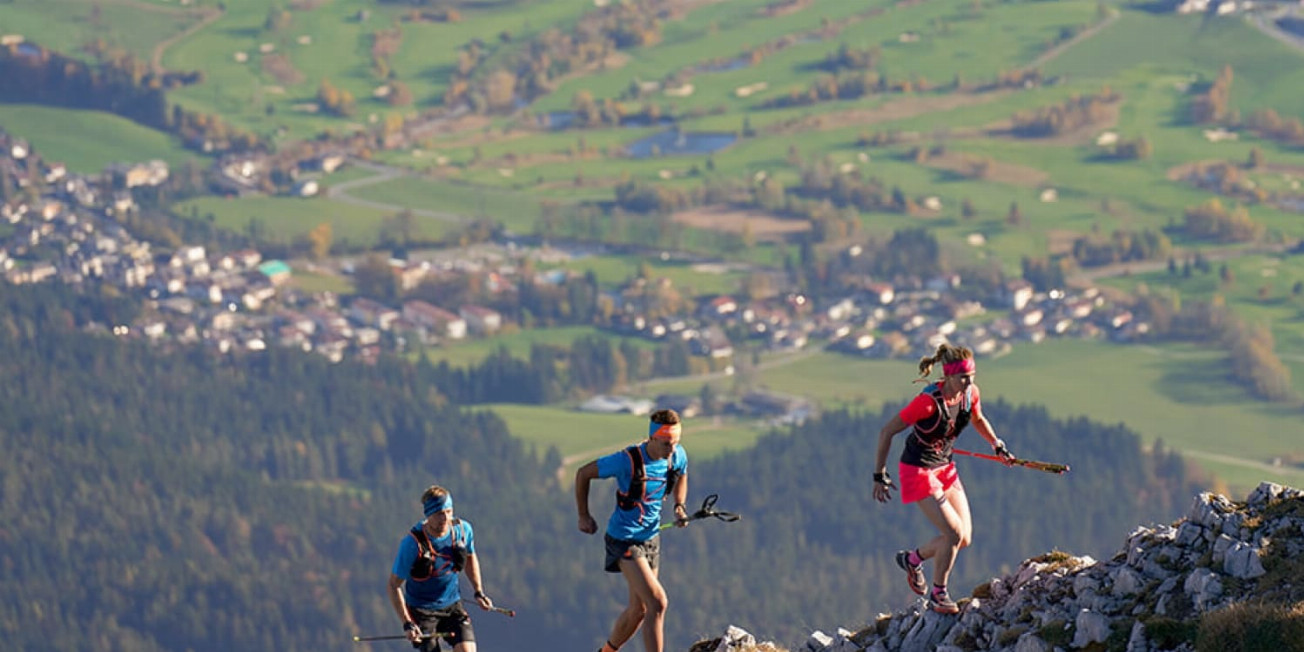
{"x": 958, "y": 367}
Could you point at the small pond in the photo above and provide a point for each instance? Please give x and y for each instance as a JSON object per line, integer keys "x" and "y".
{"x": 675, "y": 143}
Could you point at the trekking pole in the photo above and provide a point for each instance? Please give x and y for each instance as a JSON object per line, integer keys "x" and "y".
{"x": 393, "y": 637}
{"x": 1048, "y": 467}
{"x": 708, "y": 510}
{"x": 510, "y": 613}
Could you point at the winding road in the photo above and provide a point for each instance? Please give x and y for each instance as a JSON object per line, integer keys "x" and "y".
{"x": 340, "y": 192}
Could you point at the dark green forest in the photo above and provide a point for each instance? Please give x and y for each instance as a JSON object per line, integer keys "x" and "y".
{"x": 158, "y": 498}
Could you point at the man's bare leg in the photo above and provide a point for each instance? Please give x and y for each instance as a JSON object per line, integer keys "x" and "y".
{"x": 651, "y": 596}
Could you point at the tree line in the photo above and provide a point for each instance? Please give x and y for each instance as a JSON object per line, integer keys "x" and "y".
{"x": 1073, "y": 113}
{"x": 490, "y": 84}
{"x": 117, "y": 83}
{"x": 171, "y": 498}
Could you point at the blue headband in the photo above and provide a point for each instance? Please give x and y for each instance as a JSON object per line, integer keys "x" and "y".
{"x": 438, "y": 504}
{"x": 670, "y": 431}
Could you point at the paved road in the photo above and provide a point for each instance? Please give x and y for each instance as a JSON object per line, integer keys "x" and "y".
{"x": 1267, "y": 23}
{"x": 156, "y": 57}
{"x": 1085, "y": 34}
{"x": 340, "y": 192}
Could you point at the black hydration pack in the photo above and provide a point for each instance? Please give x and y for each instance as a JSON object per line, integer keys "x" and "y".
{"x": 426, "y": 563}
{"x": 638, "y": 480}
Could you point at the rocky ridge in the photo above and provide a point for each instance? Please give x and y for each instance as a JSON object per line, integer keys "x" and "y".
{"x": 1149, "y": 596}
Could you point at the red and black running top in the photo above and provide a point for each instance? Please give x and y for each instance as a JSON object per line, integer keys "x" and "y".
{"x": 936, "y": 425}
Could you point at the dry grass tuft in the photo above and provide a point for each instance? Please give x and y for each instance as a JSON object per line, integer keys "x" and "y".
{"x": 1250, "y": 627}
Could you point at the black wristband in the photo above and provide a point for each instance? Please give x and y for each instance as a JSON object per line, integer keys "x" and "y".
{"x": 479, "y": 594}
{"x": 409, "y": 626}
{"x": 883, "y": 478}
{"x": 681, "y": 506}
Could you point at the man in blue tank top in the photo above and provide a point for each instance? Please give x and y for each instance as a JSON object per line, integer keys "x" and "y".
{"x": 645, "y": 475}
{"x": 423, "y": 586}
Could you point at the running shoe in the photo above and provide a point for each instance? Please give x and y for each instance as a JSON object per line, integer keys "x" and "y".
{"x": 942, "y": 603}
{"x": 914, "y": 572}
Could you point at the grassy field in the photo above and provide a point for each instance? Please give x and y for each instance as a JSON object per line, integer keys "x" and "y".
{"x": 87, "y": 141}
{"x": 518, "y": 343}
{"x": 1179, "y": 394}
{"x": 67, "y": 25}
{"x": 290, "y": 217}
{"x": 1262, "y": 291}
{"x": 332, "y": 42}
{"x": 314, "y": 281}
{"x": 517, "y": 211}
{"x": 581, "y": 437}
{"x": 689, "y": 279}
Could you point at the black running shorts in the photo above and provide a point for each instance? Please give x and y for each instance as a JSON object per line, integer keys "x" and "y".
{"x": 452, "y": 624}
{"x": 618, "y": 549}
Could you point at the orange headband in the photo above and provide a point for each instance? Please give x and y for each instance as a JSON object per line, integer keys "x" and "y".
{"x": 668, "y": 431}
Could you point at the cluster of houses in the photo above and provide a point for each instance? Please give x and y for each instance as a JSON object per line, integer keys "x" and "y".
{"x": 71, "y": 232}
{"x": 879, "y": 321}
{"x": 66, "y": 228}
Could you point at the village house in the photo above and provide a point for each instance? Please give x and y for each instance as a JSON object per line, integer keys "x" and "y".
{"x": 718, "y": 307}
{"x": 132, "y": 175}
{"x": 435, "y": 319}
{"x": 276, "y": 271}
{"x": 884, "y": 293}
{"x": 616, "y": 405}
{"x": 368, "y": 312}
{"x": 481, "y": 320}
{"x": 1018, "y": 293}
{"x": 409, "y": 275}
{"x": 711, "y": 342}
{"x": 687, "y": 406}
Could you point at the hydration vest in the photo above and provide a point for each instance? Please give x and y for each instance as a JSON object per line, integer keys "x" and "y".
{"x": 638, "y": 480}
{"x": 931, "y": 439}
{"x": 426, "y": 564}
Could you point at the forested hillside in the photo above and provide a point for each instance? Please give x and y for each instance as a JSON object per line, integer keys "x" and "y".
{"x": 156, "y": 499}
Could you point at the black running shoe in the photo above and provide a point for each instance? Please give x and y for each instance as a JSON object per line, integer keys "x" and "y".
{"x": 914, "y": 572}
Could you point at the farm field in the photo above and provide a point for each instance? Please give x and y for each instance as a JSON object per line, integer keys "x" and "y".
{"x": 516, "y": 211}
{"x": 692, "y": 279}
{"x": 517, "y": 343}
{"x": 581, "y": 437}
{"x": 287, "y": 218}
{"x": 1179, "y": 394}
{"x": 138, "y": 26}
{"x": 87, "y": 141}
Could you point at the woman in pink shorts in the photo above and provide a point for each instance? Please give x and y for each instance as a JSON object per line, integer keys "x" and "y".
{"x": 928, "y": 476}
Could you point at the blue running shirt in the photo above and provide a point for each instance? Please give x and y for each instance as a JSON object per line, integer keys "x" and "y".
{"x": 640, "y": 523}
{"x": 440, "y": 590}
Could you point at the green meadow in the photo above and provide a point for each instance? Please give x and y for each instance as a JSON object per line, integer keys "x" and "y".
{"x": 332, "y": 42}
{"x": 87, "y": 141}
{"x": 1178, "y": 393}
{"x": 1262, "y": 290}
{"x": 517, "y": 343}
{"x": 581, "y": 436}
{"x": 66, "y": 26}
{"x": 516, "y": 211}
{"x": 691, "y": 279}
{"x": 287, "y": 218}
{"x": 308, "y": 280}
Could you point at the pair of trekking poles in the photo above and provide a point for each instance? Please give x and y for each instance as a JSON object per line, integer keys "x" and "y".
{"x": 707, "y": 510}
{"x": 510, "y": 613}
